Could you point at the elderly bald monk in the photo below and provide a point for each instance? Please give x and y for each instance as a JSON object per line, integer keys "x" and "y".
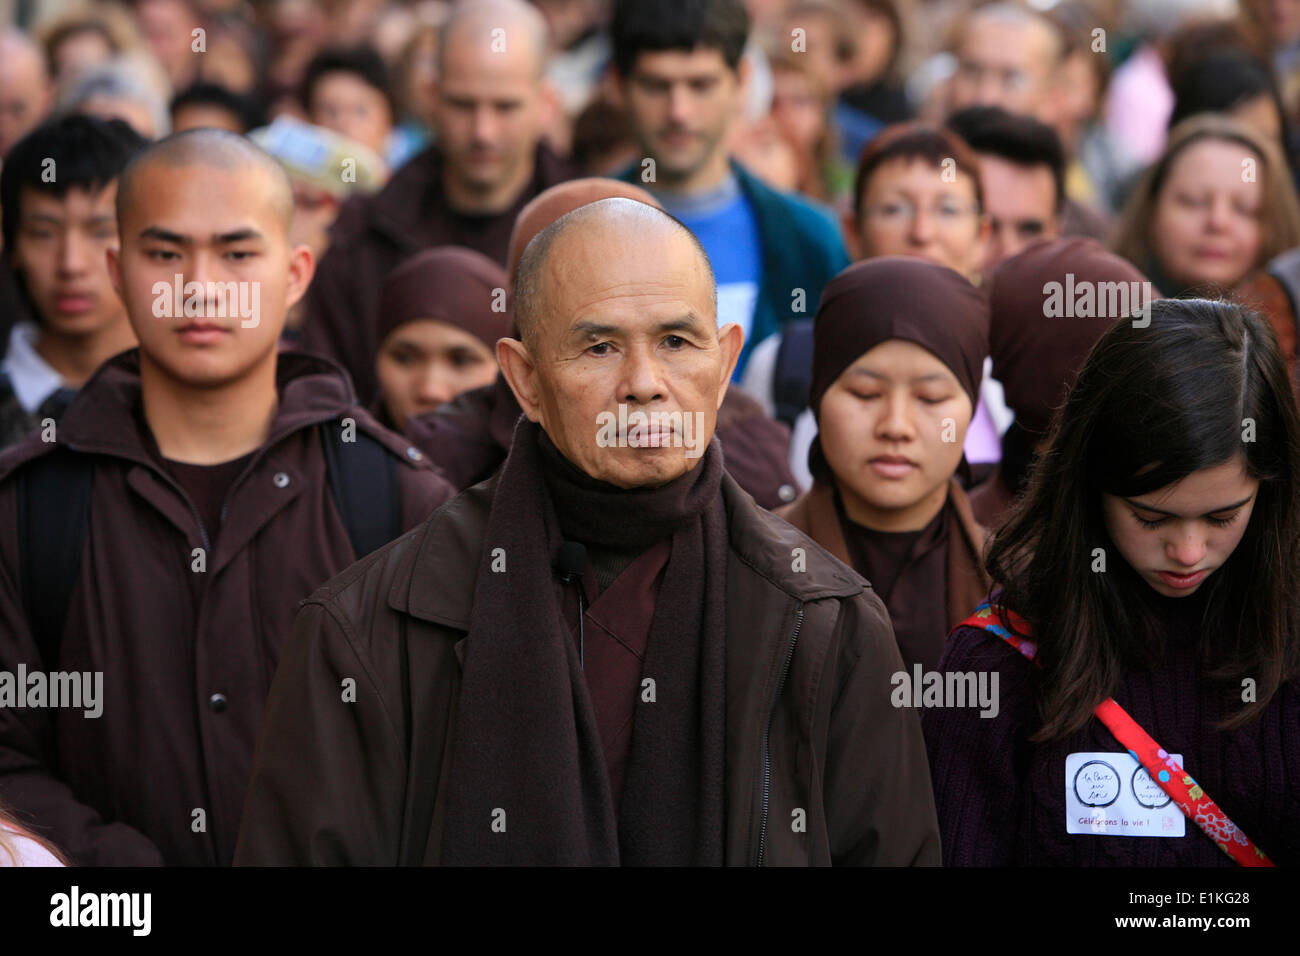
{"x": 468, "y": 437}
{"x": 607, "y": 653}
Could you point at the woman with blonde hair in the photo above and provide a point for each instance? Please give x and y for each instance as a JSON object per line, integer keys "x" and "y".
{"x": 1209, "y": 215}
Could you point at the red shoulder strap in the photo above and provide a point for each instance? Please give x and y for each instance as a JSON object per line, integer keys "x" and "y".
{"x": 1173, "y": 779}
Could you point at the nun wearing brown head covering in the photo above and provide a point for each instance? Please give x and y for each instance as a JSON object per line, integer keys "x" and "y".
{"x": 469, "y": 438}
{"x": 1048, "y": 306}
{"x": 898, "y": 350}
{"x": 440, "y": 315}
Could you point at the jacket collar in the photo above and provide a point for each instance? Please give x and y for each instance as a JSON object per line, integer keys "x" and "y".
{"x": 414, "y": 197}
{"x": 104, "y": 417}
{"x": 440, "y": 585}
{"x": 968, "y": 583}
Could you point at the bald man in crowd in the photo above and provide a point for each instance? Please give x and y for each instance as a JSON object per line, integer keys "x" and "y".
{"x": 607, "y": 653}
{"x": 469, "y": 437}
{"x": 494, "y": 105}
{"x": 195, "y": 490}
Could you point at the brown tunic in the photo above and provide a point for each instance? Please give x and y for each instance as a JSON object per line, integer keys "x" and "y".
{"x": 942, "y": 568}
{"x": 615, "y": 635}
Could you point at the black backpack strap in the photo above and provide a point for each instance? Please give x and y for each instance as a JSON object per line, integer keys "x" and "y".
{"x": 792, "y": 374}
{"x": 363, "y": 477}
{"x": 53, "y": 514}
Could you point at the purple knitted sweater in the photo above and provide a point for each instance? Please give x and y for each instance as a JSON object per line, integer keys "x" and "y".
{"x": 1001, "y": 800}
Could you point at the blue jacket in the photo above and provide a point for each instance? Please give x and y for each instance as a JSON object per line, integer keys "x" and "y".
{"x": 802, "y": 249}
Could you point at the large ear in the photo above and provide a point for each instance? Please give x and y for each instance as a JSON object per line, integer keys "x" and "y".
{"x": 520, "y": 371}
{"x": 731, "y": 339}
{"x": 744, "y": 75}
{"x": 302, "y": 266}
{"x": 550, "y": 106}
{"x": 114, "y": 256}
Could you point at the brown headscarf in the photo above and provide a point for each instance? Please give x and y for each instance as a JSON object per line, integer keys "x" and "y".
{"x": 1036, "y": 357}
{"x": 897, "y": 297}
{"x": 450, "y": 284}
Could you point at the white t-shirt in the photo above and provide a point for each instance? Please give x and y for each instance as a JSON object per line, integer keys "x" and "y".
{"x": 32, "y": 378}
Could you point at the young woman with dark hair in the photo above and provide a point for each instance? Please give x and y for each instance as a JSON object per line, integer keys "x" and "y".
{"x": 1150, "y": 572}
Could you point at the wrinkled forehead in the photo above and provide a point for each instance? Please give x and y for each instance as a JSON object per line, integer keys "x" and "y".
{"x": 617, "y": 269}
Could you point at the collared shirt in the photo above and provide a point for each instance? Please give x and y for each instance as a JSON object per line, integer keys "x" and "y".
{"x": 32, "y": 378}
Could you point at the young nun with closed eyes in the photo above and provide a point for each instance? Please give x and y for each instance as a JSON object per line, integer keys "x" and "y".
{"x": 899, "y": 345}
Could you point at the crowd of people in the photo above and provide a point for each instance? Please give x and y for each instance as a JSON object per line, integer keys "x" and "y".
{"x": 896, "y": 397}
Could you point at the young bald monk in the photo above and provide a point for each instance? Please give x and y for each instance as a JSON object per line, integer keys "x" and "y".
{"x": 192, "y": 476}
{"x": 712, "y": 687}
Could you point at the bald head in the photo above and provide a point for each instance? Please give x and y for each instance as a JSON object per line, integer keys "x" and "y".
{"x": 614, "y": 223}
{"x": 1013, "y": 14}
{"x": 1008, "y": 56}
{"x": 25, "y": 90}
{"x": 19, "y": 51}
{"x": 500, "y": 26}
{"x": 211, "y": 149}
{"x": 560, "y": 200}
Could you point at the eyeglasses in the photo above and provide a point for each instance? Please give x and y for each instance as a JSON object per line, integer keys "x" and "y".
{"x": 899, "y": 212}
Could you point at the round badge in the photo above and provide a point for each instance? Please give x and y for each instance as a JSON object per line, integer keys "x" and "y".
{"x": 1096, "y": 784}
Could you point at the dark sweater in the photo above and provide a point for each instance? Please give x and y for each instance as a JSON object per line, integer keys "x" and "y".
{"x": 1001, "y": 800}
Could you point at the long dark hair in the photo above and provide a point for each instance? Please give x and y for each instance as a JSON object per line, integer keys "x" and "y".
{"x": 1151, "y": 406}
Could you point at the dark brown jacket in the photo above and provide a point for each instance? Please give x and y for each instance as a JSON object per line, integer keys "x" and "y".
{"x": 124, "y": 788}
{"x": 469, "y": 438}
{"x": 811, "y": 734}
{"x": 375, "y": 233}
{"x": 968, "y": 584}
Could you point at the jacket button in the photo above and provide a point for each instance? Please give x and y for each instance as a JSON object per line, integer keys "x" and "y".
{"x": 786, "y": 493}
{"x": 414, "y": 454}
{"x": 217, "y": 702}
{"x": 281, "y": 479}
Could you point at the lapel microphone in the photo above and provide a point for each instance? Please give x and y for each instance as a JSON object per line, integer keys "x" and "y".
{"x": 571, "y": 564}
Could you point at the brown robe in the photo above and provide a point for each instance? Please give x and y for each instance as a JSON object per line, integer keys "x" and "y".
{"x": 184, "y": 681}
{"x": 965, "y": 583}
{"x": 614, "y": 638}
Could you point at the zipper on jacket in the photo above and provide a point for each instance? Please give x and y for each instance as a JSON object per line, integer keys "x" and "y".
{"x": 767, "y": 737}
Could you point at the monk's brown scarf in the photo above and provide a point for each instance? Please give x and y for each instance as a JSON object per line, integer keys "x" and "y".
{"x": 528, "y": 782}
